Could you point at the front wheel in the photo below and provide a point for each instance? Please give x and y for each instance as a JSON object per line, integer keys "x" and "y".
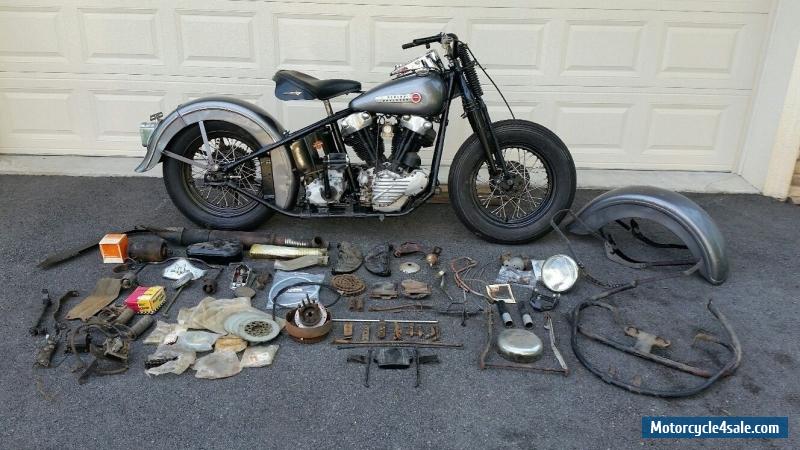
{"x": 516, "y": 209}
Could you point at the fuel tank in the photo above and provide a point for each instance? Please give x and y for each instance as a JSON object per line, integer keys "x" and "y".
{"x": 419, "y": 95}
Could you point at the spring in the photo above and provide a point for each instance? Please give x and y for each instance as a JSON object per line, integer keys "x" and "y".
{"x": 469, "y": 70}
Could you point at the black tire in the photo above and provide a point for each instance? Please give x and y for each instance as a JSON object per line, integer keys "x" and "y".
{"x": 188, "y": 197}
{"x": 558, "y": 167}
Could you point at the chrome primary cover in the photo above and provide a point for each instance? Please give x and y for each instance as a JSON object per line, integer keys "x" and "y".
{"x": 421, "y": 95}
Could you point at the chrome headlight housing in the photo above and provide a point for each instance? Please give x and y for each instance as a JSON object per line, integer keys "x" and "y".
{"x": 559, "y": 273}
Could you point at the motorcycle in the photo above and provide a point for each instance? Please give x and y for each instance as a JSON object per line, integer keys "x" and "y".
{"x": 229, "y": 164}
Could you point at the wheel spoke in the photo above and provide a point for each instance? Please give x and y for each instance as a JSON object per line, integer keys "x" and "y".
{"x": 525, "y": 195}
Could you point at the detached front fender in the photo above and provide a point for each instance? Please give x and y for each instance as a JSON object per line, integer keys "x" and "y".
{"x": 253, "y": 119}
{"x": 685, "y": 218}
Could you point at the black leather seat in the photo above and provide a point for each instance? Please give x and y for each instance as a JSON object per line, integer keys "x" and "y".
{"x": 294, "y": 85}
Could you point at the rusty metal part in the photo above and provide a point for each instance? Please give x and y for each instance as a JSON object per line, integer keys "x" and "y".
{"x": 148, "y": 249}
{"x": 365, "y": 333}
{"x": 407, "y": 248}
{"x": 432, "y": 258}
{"x": 124, "y": 316}
{"x": 400, "y": 308}
{"x": 377, "y": 260}
{"x": 347, "y": 331}
{"x": 645, "y": 342}
{"x": 105, "y": 291}
{"x": 348, "y": 258}
{"x": 388, "y": 320}
{"x": 461, "y": 307}
{"x": 281, "y": 252}
{"x": 308, "y": 335}
{"x": 381, "y": 334}
{"x": 361, "y": 359}
{"x": 356, "y": 304}
{"x": 38, "y": 327}
{"x": 409, "y": 267}
{"x": 343, "y": 344}
{"x": 140, "y": 326}
{"x": 398, "y": 332}
{"x": 262, "y": 279}
{"x": 415, "y": 289}
{"x": 410, "y": 330}
{"x": 459, "y": 267}
{"x": 348, "y": 285}
{"x": 210, "y": 280}
{"x": 310, "y": 314}
{"x": 45, "y": 353}
{"x": 188, "y": 236}
{"x": 435, "y": 334}
{"x": 385, "y": 290}
{"x": 483, "y": 362}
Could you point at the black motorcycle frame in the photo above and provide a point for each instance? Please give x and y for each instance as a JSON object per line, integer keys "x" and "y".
{"x": 456, "y": 84}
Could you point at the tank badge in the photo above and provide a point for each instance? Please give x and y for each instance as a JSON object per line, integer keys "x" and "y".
{"x": 414, "y": 97}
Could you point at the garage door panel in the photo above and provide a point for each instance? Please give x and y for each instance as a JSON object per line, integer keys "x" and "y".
{"x": 646, "y": 84}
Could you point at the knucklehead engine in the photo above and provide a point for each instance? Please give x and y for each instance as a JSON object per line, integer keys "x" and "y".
{"x": 389, "y": 126}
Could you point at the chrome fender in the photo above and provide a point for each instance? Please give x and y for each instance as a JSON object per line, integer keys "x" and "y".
{"x": 685, "y": 218}
{"x": 259, "y": 123}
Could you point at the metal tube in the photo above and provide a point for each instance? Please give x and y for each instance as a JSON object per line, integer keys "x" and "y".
{"x": 277, "y": 251}
{"x": 385, "y": 320}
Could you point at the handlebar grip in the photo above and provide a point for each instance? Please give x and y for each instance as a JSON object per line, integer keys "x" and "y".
{"x": 423, "y": 41}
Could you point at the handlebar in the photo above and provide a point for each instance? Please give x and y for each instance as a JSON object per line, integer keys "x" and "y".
{"x": 423, "y": 41}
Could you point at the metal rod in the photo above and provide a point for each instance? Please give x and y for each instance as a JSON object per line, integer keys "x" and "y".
{"x": 385, "y": 320}
{"x": 344, "y": 346}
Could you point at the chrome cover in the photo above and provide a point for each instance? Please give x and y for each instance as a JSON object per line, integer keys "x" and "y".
{"x": 425, "y": 63}
{"x": 355, "y": 122}
{"x": 253, "y": 119}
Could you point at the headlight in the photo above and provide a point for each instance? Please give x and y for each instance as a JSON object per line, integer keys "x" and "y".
{"x": 559, "y": 273}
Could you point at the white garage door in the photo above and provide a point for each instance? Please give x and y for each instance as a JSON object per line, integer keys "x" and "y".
{"x": 645, "y": 84}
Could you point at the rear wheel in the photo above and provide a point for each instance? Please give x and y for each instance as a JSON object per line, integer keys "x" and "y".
{"x": 518, "y": 209}
{"x": 213, "y": 205}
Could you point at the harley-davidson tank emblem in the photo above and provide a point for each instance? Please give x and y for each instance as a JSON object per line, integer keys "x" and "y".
{"x": 414, "y": 97}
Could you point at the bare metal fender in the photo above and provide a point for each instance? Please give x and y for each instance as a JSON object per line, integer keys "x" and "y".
{"x": 672, "y": 210}
{"x": 263, "y": 127}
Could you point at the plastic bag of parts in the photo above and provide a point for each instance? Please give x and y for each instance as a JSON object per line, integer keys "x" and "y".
{"x": 259, "y": 355}
{"x": 164, "y": 333}
{"x": 177, "y": 360}
{"x": 509, "y": 275}
{"x": 196, "y": 341}
{"x": 217, "y": 365}
{"x": 210, "y": 313}
{"x": 295, "y": 295}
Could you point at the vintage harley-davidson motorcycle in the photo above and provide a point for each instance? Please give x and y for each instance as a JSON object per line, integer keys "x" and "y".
{"x": 230, "y": 165}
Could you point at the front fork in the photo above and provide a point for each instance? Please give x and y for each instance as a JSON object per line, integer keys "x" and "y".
{"x": 478, "y": 115}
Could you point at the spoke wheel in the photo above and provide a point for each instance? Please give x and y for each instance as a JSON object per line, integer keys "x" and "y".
{"x": 201, "y": 194}
{"x": 519, "y": 199}
{"x": 222, "y": 200}
{"x": 516, "y": 208}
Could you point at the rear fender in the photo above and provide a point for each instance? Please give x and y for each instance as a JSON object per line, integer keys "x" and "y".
{"x": 685, "y": 218}
{"x": 253, "y": 119}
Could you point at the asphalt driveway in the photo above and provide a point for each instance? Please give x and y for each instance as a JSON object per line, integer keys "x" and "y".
{"x": 312, "y": 398}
